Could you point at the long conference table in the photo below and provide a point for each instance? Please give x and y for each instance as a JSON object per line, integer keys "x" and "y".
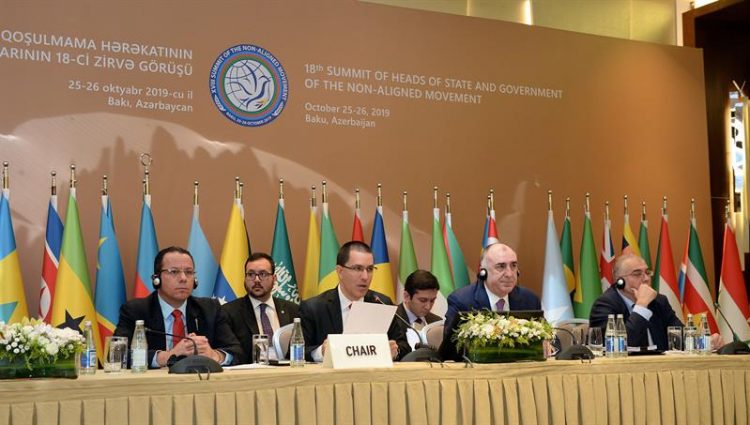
{"x": 637, "y": 390}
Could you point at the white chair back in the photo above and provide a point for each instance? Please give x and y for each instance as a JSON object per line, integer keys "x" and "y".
{"x": 433, "y": 333}
{"x": 281, "y": 340}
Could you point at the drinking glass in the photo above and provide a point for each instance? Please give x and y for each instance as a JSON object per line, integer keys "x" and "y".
{"x": 674, "y": 337}
{"x": 115, "y": 353}
{"x": 595, "y": 341}
{"x": 260, "y": 349}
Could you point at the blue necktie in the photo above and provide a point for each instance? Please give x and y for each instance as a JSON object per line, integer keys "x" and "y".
{"x": 265, "y": 322}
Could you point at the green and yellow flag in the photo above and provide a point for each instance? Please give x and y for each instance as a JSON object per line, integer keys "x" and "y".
{"x": 566, "y": 248}
{"x": 309, "y": 287}
{"x": 588, "y": 285}
{"x": 329, "y": 249}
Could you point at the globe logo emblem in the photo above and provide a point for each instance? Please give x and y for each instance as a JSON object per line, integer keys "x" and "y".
{"x": 248, "y": 85}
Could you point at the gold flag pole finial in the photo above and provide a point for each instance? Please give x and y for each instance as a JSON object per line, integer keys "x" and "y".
{"x": 643, "y": 210}
{"x": 146, "y": 182}
{"x": 587, "y": 206}
{"x": 324, "y": 195}
{"x": 6, "y": 177}
{"x": 549, "y": 200}
{"x": 434, "y": 196}
{"x": 242, "y": 190}
{"x": 448, "y": 203}
{"x": 380, "y": 195}
{"x": 281, "y": 188}
{"x": 356, "y": 198}
{"x": 664, "y": 205}
{"x": 492, "y": 199}
{"x": 313, "y": 199}
{"x": 489, "y": 202}
{"x": 146, "y": 161}
{"x": 625, "y": 204}
{"x": 53, "y": 183}
{"x": 567, "y": 207}
{"x": 606, "y": 210}
{"x": 73, "y": 176}
{"x": 237, "y": 187}
{"x": 404, "y": 197}
{"x": 105, "y": 185}
{"x": 195, "y": 192}
{"x": 692, "y": 208}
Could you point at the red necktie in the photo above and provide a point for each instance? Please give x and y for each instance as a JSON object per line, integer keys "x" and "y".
{"x": 178, "y": 327}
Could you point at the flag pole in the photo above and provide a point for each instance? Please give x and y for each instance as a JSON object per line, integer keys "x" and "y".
{"x": 492, "y": 199}
{"x": 625, "y": 200}
{"x": 434, "y": 197}
{"x": 606, "y": 210}
{"x": 313, "y": 200}
{"x": 6, "y": 176}
{"x": 549, "y": 200}
{"x": 105, "y": 185}
{"x": 404, "y": 201}
{"x": 281, "y": 189}
{"x": 324, "y": 195}
{"x": 53, "y": 183}
{"x": 380, "y": 195}
{"x": 72, "y": 176}
{"x": 447, "y": 203}
{"x": 567, "y": 207}
{"x": 643, "y": 210}
{"x": 356, "y": 198}
{"x": 587, "y": 206}
{"x": 195, "y": 193}
{"x": 664, "y": 206}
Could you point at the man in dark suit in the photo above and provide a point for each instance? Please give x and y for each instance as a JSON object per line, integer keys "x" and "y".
{"x": 647, "y": 314}
{"x": 326, "y": 313}
{"x": 420, "y": 292}
{"x": 172, "y": 308}
{"x": 496, "y": 289}
{"x": 258, "y": 312}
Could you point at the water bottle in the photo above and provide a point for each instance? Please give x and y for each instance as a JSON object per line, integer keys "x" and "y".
{"x": 622, "y": 336}
{"x": 88, "y": 356}
{"x": 139, "y": 347}
{"x": 297, "y": 345}
{"x": 690, "y": 336}
{"x": 611, "y": 345}
{"x": 704, "y": 336}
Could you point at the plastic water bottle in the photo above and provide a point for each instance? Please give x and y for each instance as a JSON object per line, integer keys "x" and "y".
{"x": 88, "y": 356}
{"x": 297, "y": 345}
{"x": 611, "y": 345}
{"x": 704, "y": 336}
{"x": 690, "y": 336}
{"x": 139, "y": 347}
{"x": 622, "y": 336}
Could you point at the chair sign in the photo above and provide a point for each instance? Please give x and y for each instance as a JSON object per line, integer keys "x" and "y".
{"x": 353, "y": 351}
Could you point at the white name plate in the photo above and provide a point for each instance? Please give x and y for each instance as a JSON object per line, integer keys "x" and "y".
{"x": 352, "y": 351}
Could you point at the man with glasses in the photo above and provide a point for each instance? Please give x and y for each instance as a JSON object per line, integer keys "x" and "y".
{"x": 327, "y": 313}
{"x": 172, "y": 309}
{"x": 647, "y": 314}
{"x": 258, "y": 312}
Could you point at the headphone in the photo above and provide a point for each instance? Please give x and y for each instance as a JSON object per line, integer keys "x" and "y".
{"x": 482, "y": 275}
{"x": 156, "y": 281}
{"x": 620, "y": 283}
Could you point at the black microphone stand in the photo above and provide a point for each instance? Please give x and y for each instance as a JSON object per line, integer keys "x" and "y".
{"x": 736, "y": 346}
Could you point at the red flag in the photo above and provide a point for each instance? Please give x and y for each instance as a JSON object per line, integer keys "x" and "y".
{"x": 732, "y": 292}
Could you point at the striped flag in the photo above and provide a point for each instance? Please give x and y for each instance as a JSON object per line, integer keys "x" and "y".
{"x": 12, "y": 296}
{"x": 439, "y": 265}
{"x": 230, "y": 279}
{"x": 281, "y": 253}
{"x": 588, "y": 285}
{"x": 643, "y": 239}
{"x": 407, "y": 259}
{"x": 329, "y": 248}
{"x": 607, "y": 254}
{"x": 110, "y": 279}
{"x": 664, "y": 277}
{"x": 74, "y": 299}
{"x": 732, "y": 292}
{"x": 490, "y": 235}
{"x": 566, "y": 248}
{"x": 555, "y": 297}
{"x": 206, "y": 267}
{"x": 629, "y": 244}
{"x": 382, "y": 279}
{"x": 456, "y": 260}
{"x": 682, "y": 275}
{"x": 51, "y": 258}
{"x": 698, "y": 298}
{"x": 312, "y": 256}
{"x": 357, "y": 233}
{"x": 148, "y": 247}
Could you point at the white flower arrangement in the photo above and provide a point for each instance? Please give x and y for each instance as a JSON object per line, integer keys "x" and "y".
{"x": 487, "y": 329}
{"x": 36, "y": 342}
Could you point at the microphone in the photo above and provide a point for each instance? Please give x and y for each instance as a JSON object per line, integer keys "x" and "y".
{"x": 422, "y": 352}
{"x": 189, "y": 364}
{"x": 574, "y": 352}
{"x": 736, "y": 346}
{"x": 422, "y": 342}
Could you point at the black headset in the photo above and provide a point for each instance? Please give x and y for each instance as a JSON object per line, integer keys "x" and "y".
{"x": 620, "y": 283}
{"x": 156, "y": 281}
{"x": 482, "y": 274}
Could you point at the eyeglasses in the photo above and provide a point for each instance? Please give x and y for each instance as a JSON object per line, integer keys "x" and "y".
{"x": 263, "y": 275}
{"x": 357, "y": 268}
{"x": 638, "y": 274}
{"x": 175, "y": 272}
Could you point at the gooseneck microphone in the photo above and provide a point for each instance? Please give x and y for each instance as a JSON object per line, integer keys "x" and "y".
{"x": 736, "y": 346}
{"x": 422, "y": 352}
{"x": 422, "y": 342}
{"x": 576, "y": 351}
{"x": 190, "y": 364}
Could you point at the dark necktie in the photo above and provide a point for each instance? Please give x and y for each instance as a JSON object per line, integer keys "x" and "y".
{"x": 178, "y": 327}
{"x": 265, "y": 322}
{"x": 500, "y": 304}
{"x": 419, "y": 324}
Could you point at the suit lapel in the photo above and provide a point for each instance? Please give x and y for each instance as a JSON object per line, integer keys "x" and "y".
{"x": 481, "y": 300}
{"x": 248, "y": 316}
{"x": 157, "y": 318}
{"x": 281, "y": 312}
{"x": 334, "y": 310}
{"x": 192, "y": 316}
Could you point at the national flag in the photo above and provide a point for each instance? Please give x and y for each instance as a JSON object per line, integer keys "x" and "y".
{"x": 459, "y": 271}
{"x": 490, "y": 235}
{"x": 357, "y": 233}
{"x": 643, "y": 240}
{"x": 382, "y": 279}
{"x": 51, "y": 258}
{"x": 607, "y": 255}
{"x": 312, "y": 256}
{"x": 682, "y": 275}
{"x": 286, "y": 278}
{"x": 74, "y": 300}
{"x": 732, "y": 292}
{"x": 588, "y": 285}
{"x": 566, "y": 248}
{"x": 439, "y": 265}
{"x": 110, "y": 279}
{"x": 664, "y": 277}
{"x": 206, "y": 267}
{"x": 629, "y": 244}
{"x": 329, "y": 249}
{"x": 555, "y": 297}
{"x": 230, "y": 279}
{"x": 12, "y": 296}
{"x": 698, "y": 298}
{"x": 148, "y": 247}
{"x": 407, "y": 259}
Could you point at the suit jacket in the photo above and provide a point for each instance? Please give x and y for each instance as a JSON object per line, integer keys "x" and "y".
{"x": 321, "y": 316}
{"x": 241, "y": 317}
{"x": 203, "y": 316}
{"x": 401, "y": 311}
{"x": 610, "y": 302}
{"x": 474, "y": 297}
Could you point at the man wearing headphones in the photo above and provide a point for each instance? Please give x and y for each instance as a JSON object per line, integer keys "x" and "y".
{"x": 647, "y": 314}
{"x": 172, "y": 309}
{"x": 496, "y": 289}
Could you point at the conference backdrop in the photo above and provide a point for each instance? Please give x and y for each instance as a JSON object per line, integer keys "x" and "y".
{"x": 353, "y": 93}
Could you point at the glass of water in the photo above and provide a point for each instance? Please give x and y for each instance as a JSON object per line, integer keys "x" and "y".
{"x": 115, "y": 353}
{"x": 595, "y": 341}
{"x": 674, "y": 338}
{"x": 260, "y": 349}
